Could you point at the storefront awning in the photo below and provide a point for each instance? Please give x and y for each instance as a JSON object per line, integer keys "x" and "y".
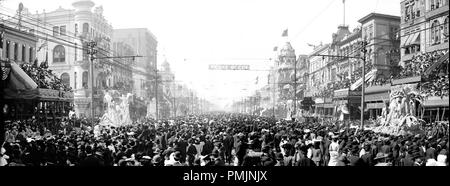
{"x": 436, "y": 64}
{"x": 369, "y": 77}
{"x": 436, "y": 102}
{"x": 411, "y": 40}
{"x": 19, "y": 80}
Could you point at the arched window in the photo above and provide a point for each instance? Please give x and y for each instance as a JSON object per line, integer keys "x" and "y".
{"x": 435, "y": 32}
{"x": 85, "y": 78}
{"x": 65, "y": 79}
{"x": 85, "y": 28}
{"x": 59, "y": 54}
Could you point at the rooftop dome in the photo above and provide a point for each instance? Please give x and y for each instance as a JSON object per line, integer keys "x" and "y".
{"x": 83, "y": 4}
{"x": 287, "y": 50}
{"x": 166, "y": 65}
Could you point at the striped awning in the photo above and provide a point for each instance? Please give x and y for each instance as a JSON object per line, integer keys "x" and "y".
{"x": 411, "y": 40}
{"x": 369, "y": 77}
{"x": 436, "y": 64}
{"x": 19, "y": 80}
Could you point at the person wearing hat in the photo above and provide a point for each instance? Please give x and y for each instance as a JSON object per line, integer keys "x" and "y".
{"x": 181, "y": 147}
{"x": 191, "y": 151}
{"x": 216, "y": 159}
{"x": 288, "y": 157}
{"x": 279, "y": 160}
{"x": 381, "y": 160}
{"x": 367, "y": 157}
{"x": 442, "y": 158}
{"x": 207, "y": 147}
{"x": 304, "y": 161}
{"x": 241, "y": 150}
{"x": 267, "y": 159}
{"x": 353, "y": 158}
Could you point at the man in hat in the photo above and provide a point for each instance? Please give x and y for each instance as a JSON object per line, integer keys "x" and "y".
{"x": 92, "y": 158}
{"x": 280, "y": 160}
{"x": 304, "y": 161}
{"x": 367, "y": 157}
{"x": 228, "y": 143}
{"x": 241, "y": 150}
{"x": 381, "y": 160}
{"x": 288, "y": 157}
{"x": 353, "y": 158}
{"x": 207, "y": 147}
{"x": 266, "y": 158}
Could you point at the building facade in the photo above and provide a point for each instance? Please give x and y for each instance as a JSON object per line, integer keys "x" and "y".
{"x": 424, "y": 54}
{"x": 17, "y": 45}
{"x": 144, "y": 44}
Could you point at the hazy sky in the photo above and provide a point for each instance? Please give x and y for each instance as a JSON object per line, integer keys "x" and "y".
{"x": 227, "y": 31}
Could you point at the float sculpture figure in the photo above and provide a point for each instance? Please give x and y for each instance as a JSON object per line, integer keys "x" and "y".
{"x": 401, "y": 112}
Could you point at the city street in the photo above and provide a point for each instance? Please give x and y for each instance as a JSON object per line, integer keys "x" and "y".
{"x": 224, "y": 83}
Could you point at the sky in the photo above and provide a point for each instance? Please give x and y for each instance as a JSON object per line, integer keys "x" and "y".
{"x": 195, "y": 33}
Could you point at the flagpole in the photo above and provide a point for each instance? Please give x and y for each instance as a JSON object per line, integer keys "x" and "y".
{"x": 343, "y": 1}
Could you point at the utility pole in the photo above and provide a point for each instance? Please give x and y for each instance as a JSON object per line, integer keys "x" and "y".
{"x": 364, "y": 45}
{"x": 295, "y": 88}
{"x": 92, "y": 52}
{"x": 174, "y": 101}
{"x": 156, "y": 92}
{"x": 364, "y": 50}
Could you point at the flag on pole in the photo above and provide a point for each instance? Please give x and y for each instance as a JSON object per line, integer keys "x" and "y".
{"x": 343, "y": 1}
{"x": 285, "y": 33}
{"x": 45, "y": 44}
{"x": 275, "y": 49}
{"x": 257, "y": 80}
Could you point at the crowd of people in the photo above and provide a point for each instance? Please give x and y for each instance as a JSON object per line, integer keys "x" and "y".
{"x": 419, "y": 64}
{"x": 44, "y": 77}
{"x": 220, "y": 140}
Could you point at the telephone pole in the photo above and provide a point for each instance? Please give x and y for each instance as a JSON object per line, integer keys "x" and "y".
{"x": 364, "y": 50}
{"x": 295, "y": 88}
{"x": 92, "y": 51}
{"x": 156, "y": 92}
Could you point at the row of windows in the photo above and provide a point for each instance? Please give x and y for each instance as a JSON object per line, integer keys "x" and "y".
{"x": 65, "y": 78}
{"x": 413, "y": 9}
{"x": 59, "y": 31}
{"x": 435, "y": 4}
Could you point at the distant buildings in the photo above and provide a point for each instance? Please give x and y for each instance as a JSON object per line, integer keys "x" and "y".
{"x": 61, "y": 38}
{"x": 144, "y": 44}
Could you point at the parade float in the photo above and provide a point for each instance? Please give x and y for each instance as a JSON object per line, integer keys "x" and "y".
{"x": 399, "y": 117}
{"x": 117, "y": 113}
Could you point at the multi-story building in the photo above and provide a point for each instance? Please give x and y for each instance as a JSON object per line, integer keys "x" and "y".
{"x": 380, "y": 31}
{"x": 168, "y": 86}
{"x": 318, "y": 79}
{"x": 17, "y": 45}
{"x": 424, "y": 54}
{"x": 283, "y": 82}
{"x": 144, "y": 44}
{"x": 64, "y": 35}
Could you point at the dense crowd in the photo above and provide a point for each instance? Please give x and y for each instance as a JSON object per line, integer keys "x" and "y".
{"x": 44, "y": 77}
{"x": 419, "y": 64}
{"x": 221, "y": 140}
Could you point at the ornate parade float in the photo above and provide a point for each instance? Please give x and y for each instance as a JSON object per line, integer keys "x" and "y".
{"x": 117, "y": 113}
{"x": 399, "y": 117}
